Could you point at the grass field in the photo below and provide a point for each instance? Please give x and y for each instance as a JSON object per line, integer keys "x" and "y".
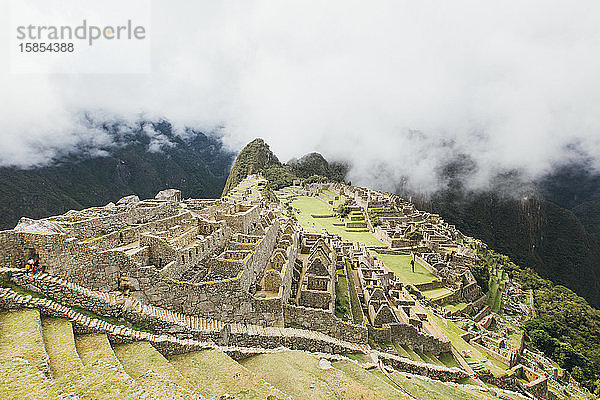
{"x": 309, "y": 206}
{"x": 497, "y": 282}
{"x": 400, "y": 264}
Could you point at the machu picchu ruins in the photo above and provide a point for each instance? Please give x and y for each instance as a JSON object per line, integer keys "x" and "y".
{"x": 303, "y": 292}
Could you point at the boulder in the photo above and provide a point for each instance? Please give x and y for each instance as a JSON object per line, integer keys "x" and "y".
{"x": 169, "y": 194}
{"x": 131, "y": 199}
{"x": 38, "y": 225}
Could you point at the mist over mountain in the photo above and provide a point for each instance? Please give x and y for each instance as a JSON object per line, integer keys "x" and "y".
{"x": 137, "y": 159}
{"x": 549, "y": 224}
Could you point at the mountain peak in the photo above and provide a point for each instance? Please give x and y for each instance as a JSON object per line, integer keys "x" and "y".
{"x": 254, "y": 157}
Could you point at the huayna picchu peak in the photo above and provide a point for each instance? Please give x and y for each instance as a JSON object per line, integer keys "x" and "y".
{"x": 293, "y": 284}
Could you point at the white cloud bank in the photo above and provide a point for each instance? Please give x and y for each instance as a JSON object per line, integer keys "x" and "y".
{"x": 510, "y": 84}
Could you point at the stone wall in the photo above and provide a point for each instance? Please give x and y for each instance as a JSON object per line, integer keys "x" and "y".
{"x": 99, "y": 225}
{"x": 431, "y": 370}
{"x": 244, "y": 221}
{"x": 324, "y": 321}
{"x": 228, "y": 300}
{"x": 288, "y": 269}
{"x": 408, "y": 335}
{"x": 168, "y": 344}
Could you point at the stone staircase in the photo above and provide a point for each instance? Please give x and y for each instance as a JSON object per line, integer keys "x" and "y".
{"x": 164, "y": 320}
{"x": 54, "y": 287}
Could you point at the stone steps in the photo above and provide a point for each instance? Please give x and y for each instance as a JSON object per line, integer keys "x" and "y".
{"x": 199, "y": 324}
{"x": 152, "y": 371}
{"x": 195, "y": 323}
{"x": 214, "y": 373}
{"x": 60, "y": 346}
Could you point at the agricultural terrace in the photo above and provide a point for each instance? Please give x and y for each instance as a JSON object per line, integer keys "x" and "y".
{"x": 306, "y": 207}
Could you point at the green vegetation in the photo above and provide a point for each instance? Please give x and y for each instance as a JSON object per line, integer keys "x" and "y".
{"x": 566, "y": 328}
{"x": 278, "y": 177}
{"x": 313, "y": 165}
{"x": 315, "y": 179}
{"x": 95, "y": 346}
{"x": 342, "y": 300}
{"x": 343, "y": 210}
{"x": 401, "y": 266}
{"x": 60, "y": 346}
{"x": 472, "y": 354}
{"x": 99, "y": 380}
{"x": 436, "y": 293}
{"x": 377, "y": 382}
{"x": 309, "y": 206}
{"x": 255, "y": 157}
{"x": 357, "y": 313}
{"x": 22, "y": 327}
{"x": 152, "y": 371}
{"x": 533, "y": 232}
{"x": 453, "y": 307}
{"x": 481, "y": 273}
{"x": 22, "y": 381}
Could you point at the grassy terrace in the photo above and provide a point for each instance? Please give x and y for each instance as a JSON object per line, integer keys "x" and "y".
{"x": 214, "y": 373}
{"x": 453, "y": 307}
{"x": 435, "y": 294}
{"x": 330, "y": 195}
{"x": 453, "y": 333}
{"x": 400, "y": 264}
{"x": 298, "y": 374}
{"x": 342, "y": 300}
{"x": 497, "y": 282}
{"x": 309, "y": 206}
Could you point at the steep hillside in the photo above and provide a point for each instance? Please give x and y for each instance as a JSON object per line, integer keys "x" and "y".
{"x": 315, "y": 164}
{"x": 532, "y": 231}
{"x": 253, "y": 158}
{"x": 197, "y": 165}
{"x": 576, "y": 186}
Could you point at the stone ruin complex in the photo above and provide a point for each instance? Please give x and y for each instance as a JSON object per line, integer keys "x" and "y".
{"x": 238, "y": 271}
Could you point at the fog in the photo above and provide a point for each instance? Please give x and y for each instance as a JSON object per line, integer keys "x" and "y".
{"x": 397, "y": 88}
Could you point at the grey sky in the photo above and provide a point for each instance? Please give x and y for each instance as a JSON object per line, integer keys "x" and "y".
{"x": 510, "y": 83}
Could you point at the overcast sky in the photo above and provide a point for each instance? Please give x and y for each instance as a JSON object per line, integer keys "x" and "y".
{"x": 398, "y": 85}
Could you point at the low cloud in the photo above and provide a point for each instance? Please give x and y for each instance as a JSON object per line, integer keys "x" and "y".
{"x": 397, "y": 88}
